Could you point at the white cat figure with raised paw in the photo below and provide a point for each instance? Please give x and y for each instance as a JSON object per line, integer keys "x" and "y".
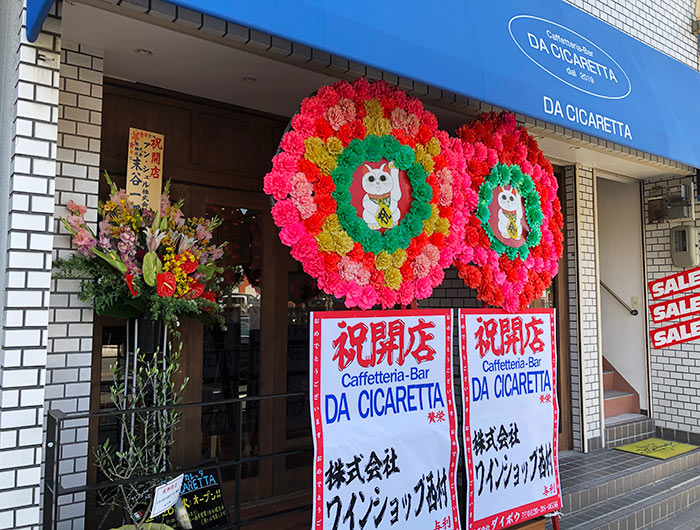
{"x": 382, "y": 194}
{"x": 510, "y": 213}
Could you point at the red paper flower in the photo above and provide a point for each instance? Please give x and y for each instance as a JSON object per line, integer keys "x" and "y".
{"x": 165, "y": 284}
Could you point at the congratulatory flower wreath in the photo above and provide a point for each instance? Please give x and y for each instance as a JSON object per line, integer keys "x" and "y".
{"x": 513, "y": 238}
{"x": 369, "y": 195}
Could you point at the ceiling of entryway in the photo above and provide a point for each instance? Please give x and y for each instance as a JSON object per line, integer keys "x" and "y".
{"x": 199, "y": 67}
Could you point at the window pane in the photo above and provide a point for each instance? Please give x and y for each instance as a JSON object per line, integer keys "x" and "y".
{"x": 231, "y": 358}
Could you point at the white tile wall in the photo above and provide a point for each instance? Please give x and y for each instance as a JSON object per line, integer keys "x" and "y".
{"x": 70, "y": 321}
{"x": 675, "y": 371}
{"x": 581, "y": 251}
{"x": 588, "y": 303}
{"x": 25, "y": 307}
{"x": 664, "y": 25}
{"x": 570, "y": 238}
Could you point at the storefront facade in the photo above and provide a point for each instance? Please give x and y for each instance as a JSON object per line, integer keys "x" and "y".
{"x": 221, "y": 87}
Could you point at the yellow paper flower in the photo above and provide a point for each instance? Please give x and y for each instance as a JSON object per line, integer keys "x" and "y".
{"x": 392, "y": 278}
{"x": 382, "y": 260}
{"x": 433, "y": 146}
{"x": 374, "y": 109}
{"x": 443, "y": 226}
{"x": 424, "y": 159}
{"x": 332, "y": 224}
{"x": 326, "y": 241}
{"x": 398, "y": 257}
{"x": 334, "y": 146}
{"x": 317, "y": 153}
{"x": 430, "y": 224}
{"x": 344, "y": 243}
{"x": 377, "y": 126}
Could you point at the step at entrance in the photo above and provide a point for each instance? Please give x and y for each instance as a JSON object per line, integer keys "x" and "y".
{"x": 686, "y": 520}
{"x": 608, "y": 376}
{"x": 619, "y": 396}
{"x": 641, "y": 508}
{"x": 610, "y": 489}
{"x": 627, "y": 428}
{"x": 619, "y": 402}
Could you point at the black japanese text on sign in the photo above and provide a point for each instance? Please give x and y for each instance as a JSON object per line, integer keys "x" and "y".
{"x": 144, "y": 172}
{"x": 508, "y": 364}
{"x": 384, "y": 420}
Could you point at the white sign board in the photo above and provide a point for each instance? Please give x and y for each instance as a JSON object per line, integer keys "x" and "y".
{"x": 166, "y": 495}
{"x": 508, "y": 363}
{"x": 385, "y": 434}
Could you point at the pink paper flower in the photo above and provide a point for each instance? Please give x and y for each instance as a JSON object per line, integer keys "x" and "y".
{"x": 284, "y": 212}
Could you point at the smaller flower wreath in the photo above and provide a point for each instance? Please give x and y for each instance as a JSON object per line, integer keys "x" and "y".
{"x": 338, "y": 131}
{"x": 505, "y": 175}
{"x": 506, "y": 269}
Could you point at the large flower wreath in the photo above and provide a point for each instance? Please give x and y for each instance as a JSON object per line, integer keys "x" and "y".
{"x": 344, "y": 130}
{"x": 511, "y": 253}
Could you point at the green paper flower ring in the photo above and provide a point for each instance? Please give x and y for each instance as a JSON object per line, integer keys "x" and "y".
{"x": 511, "y": 175}
{"x": 373, "y": 149}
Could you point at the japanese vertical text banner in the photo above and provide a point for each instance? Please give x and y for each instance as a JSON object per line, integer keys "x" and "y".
{"x": 509, "y": 390}
{"x": 383, "y": 411}
{"x": 144, "y": 168}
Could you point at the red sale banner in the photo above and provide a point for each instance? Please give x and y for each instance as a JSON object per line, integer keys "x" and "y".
{"x": 673, "y": 309}
{"x": 675, "y": 334}
{"x": 675, "y": 284}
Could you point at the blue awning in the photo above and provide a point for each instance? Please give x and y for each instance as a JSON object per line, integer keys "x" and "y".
{"x": 542, "y": 58}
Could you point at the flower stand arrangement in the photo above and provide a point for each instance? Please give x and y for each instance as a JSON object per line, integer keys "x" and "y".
{"x": 152, "y": 268}
{"x": 144, "y": 263}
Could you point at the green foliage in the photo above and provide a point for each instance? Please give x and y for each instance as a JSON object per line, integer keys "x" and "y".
{"x": 109, "y": 294}
{"x": 146, "y": 435}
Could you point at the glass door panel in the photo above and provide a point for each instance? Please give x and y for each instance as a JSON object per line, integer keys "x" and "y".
{"x": 231, "y": 366}
{"x": 294, "y": 472}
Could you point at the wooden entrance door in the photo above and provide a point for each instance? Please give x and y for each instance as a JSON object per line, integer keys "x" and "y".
{"x": 263, "y": 352}
{"x": 557, "y": 297}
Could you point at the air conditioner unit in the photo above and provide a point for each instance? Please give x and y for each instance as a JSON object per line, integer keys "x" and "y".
{"x": 676, "y": 203}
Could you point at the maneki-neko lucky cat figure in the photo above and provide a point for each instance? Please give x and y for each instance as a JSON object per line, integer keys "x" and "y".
{"x": 510, "y": 213}
{"x": 382, "y": 194}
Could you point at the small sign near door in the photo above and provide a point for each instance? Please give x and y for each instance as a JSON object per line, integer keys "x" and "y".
{"x": 384, "y": 421}
{"x": 508, "y": 363}
{"x": 165, "y": 495}
{"x": 144, "y": 169}
{"x": 202, "y": 501}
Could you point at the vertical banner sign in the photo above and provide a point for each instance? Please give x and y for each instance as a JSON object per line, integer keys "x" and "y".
{"x": 383, "y": 410}
{"x": 144, "y": 168}
{"x": 508, "y": 365}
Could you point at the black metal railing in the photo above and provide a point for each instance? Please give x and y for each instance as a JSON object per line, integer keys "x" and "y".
{"x": 633, "y": 312}
{"x": 53, "y": 489}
